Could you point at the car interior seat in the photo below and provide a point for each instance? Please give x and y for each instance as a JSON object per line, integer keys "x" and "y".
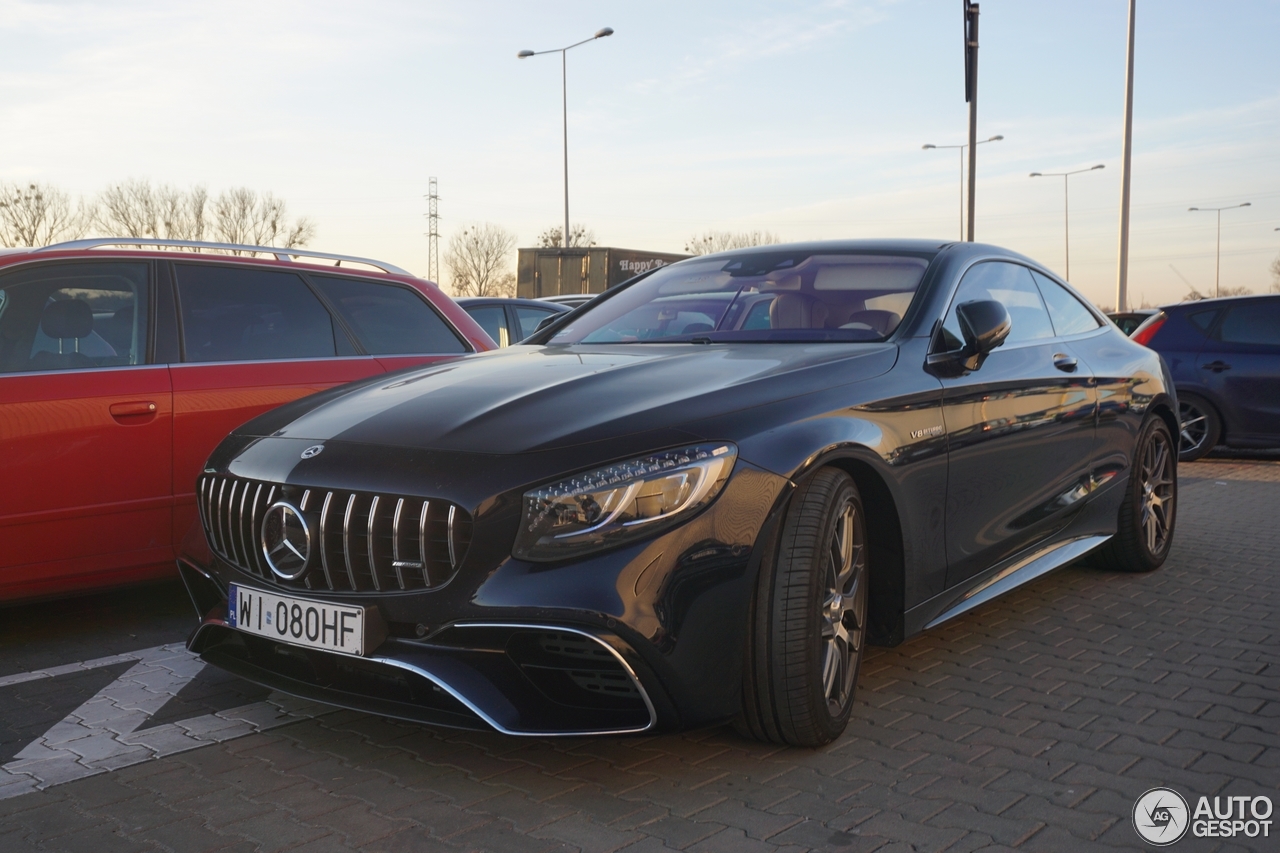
{"x": 64, "y": 320}
{"x": 877, "y": 320}
{"x": 790, "y": 310}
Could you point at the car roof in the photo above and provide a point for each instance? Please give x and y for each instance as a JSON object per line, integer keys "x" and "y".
{"x": 144, "y": 247}
{"x": 1219, "y": 300}
{"x": 505, "y": 300}
{"x": 928, "y": 247}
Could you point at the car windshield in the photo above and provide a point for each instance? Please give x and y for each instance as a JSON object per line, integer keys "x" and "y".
{"x": 761, "y": 296}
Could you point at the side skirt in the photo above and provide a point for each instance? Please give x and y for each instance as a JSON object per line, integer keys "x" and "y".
{"x": 997, "y": 581}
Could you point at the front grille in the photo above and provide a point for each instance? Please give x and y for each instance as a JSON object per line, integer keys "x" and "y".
{"x": 361, "y": 542}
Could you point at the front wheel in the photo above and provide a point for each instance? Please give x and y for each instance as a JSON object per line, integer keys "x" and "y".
{"x": 1144, "y": 531}
{"x": 809, "y": 618}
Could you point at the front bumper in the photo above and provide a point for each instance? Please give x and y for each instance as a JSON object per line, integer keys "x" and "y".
{"x": 518, "y": 679}
{"x": 642, "y": 637}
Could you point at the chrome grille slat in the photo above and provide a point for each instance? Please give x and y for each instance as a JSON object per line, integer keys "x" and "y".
{"x": 258, "y": 560}
{"x": 369, "y": 543}
{"x": 395, "y": 543}
{"x": 453, "y": 558}
{"x": 246, "y": 539}
{"x": 230, "y": 505}
{"x": 422, "y": 545}
{"x": 233, "y": 510}
{"x": 217, "y": 514}
{"x": 324, "y": 547}
{"x": 346, "y": 538}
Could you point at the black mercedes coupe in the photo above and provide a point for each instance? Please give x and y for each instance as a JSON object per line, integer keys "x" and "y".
{"x": 695, "y": 499}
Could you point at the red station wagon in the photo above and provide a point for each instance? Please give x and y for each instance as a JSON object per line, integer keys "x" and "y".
{"x": 122, "y": 369}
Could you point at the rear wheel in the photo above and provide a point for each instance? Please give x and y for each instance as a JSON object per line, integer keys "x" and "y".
{"x": 1144, "y": 531}
{"x": 809, "y": 618}
{"x": 1200, "y": 430}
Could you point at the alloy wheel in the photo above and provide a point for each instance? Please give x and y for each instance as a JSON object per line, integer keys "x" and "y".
{"x": 844, "y": 608}
{"x": 1158, "y": 493}
{"x": 1194, "y": 427}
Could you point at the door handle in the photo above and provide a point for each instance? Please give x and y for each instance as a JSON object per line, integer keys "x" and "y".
{"x": 1216, "y": 366}
{"x": 1065, "y": 363}
{"x": 136, "y": 409}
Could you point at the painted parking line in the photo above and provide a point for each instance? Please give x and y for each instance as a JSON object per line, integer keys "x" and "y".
{"x": 109, "y": 731}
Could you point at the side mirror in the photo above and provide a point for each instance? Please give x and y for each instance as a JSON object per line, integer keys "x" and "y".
{"x": 546, "y": 321}
{"x": 985, "y": 324}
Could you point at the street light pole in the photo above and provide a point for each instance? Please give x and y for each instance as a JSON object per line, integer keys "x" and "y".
{"x": 996, "y": 138}
{"x": 1122, "y": 263}
{"x": 1217, "y": 255}
{"x": 1066, "y": 206}
{"x": 564, "y": 95}
{"x": 971, "y": 95}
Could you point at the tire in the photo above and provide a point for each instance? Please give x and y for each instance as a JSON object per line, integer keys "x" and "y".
{"x": 1144, "y": 532}
{"x": 809, "y": 618}
{"x": 1201, "y": 427}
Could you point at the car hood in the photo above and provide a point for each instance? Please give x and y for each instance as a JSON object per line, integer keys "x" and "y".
{"x": 531, "y": 398}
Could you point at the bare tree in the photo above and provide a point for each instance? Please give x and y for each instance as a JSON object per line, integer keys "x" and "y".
{"x": 478, "y": 260}
{"x": 134, "y": 208}
{"x": 723, "y": 241}
{"x": 243, "y": 216}
{"x": 1275, "y": 275}
{"x": 580, "y": 236}
{"x": 39, "y": 214}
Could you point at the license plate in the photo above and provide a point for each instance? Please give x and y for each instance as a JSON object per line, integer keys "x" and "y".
{"x": 298, "y": 621}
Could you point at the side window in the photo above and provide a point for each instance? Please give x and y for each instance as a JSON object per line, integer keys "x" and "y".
{"x": 493, "y": 319}
{"x": 1255, "y": 323}
{"x": 244, "y": 314}
{"x": 74, "y": 317}
{"x": 529, "y": 318}
{"x": 1009, "y": 284}
{"x": 389, "y": 319}
{"x": 1068, "y": 315}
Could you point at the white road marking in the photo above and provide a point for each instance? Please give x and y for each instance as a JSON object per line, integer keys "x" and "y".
{"x": 102, "y": 733}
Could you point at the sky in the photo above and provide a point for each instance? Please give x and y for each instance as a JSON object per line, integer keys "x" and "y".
{"x": 805, "y": 119}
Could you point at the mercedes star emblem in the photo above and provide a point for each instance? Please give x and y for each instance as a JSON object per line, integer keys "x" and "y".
{"x": 313, "y": 450}
{"x": 286, "y": 541}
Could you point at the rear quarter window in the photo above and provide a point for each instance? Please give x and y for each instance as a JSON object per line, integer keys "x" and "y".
{"x": 389, "y": 319}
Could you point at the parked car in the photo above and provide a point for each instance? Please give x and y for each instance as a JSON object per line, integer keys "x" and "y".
{"x": 572, "y": 300}
{"x": 1129, "y": 321}
{"x": 121, "y": 370}
{"x": 509, "y": 321}
{"x": 1224, "y": 355}
{"x": 696, "y": 502}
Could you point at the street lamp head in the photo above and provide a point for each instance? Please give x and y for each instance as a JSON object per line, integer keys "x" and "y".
{"x": 927, "y": 147}
{"x": 524, "y": 53}
{"x": 996, "y": 138}
{"x": 1189, "y": 209}
{"x": 1036, "y": 175}
{"x": 1099, "y": 166}
{"x": 607, "y": 31}
{"x": 1247, "y": 204}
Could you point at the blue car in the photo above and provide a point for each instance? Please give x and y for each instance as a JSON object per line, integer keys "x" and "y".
{"x": 1224, "y": 355}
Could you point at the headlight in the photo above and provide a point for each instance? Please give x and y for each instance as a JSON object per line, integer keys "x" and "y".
{"x": 602, "y": 508}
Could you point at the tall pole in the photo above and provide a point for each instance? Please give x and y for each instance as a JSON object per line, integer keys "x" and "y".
{"x": 1066, "y": 219}
{"x": 564, "y": 101}
{"x": 962, "y": 147}
{"x": 1122, "y": 273}
{"x": 1217, "y": 258}
{"x": 564, "y": 94}
{"x": 971, "y": 95}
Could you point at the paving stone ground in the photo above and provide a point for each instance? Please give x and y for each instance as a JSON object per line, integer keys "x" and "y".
{"x": 1032, "y": 723}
